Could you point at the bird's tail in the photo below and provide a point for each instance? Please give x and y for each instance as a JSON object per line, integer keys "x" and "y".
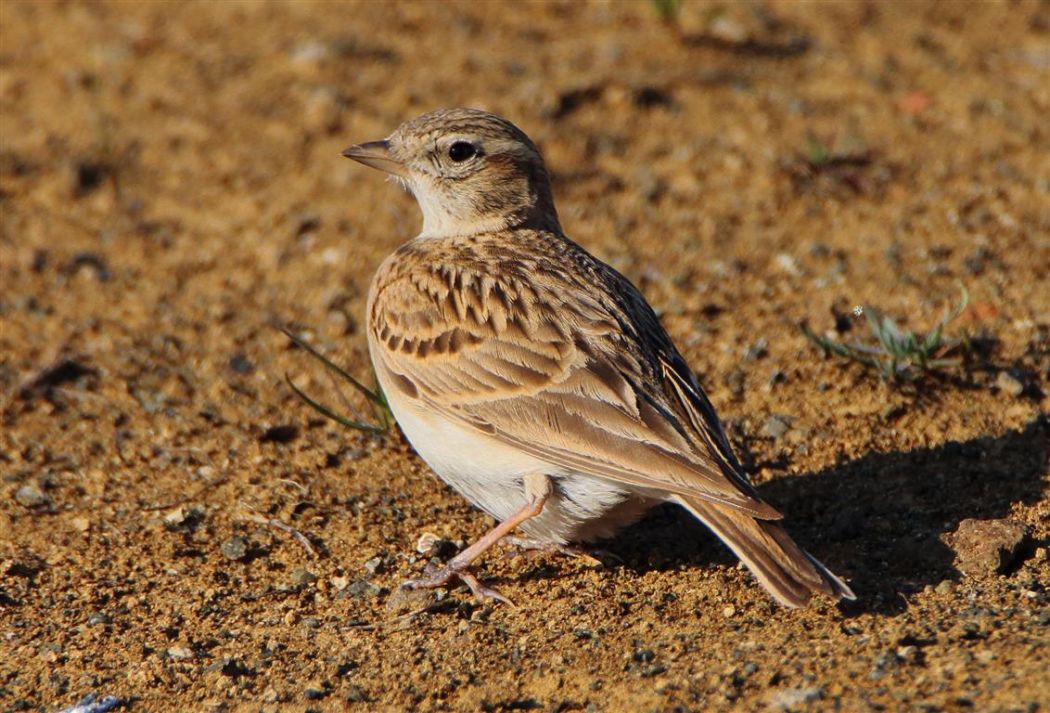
{"x": 786, "y": 570}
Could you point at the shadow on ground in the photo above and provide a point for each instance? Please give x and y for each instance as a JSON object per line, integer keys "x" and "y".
{"x": 877, "y": 520}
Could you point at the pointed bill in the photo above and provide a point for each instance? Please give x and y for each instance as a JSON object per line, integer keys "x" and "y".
{"x": 376, "y": 154}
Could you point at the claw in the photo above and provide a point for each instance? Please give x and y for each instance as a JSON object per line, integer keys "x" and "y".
{"x": 440, "y": 577}
{"x": 482, "y": 592}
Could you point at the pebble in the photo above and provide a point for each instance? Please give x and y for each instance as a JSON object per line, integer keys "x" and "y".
{"x": 776, "y": 426}
{"x": 986, "y": 547}
{"x": 790, "y": 698}
{"x": 184, "y": 516}
{"x": 180, "y": 653}
{"x": 945, "y": 586}
{"x": 303, "y": 577}
{"x": 315, "y": 692}
{"x": 362, "y": 589}
{"x": 92, "y": 704}
{"x": 426, "y": 542}
{"x": 431, "y": 545}
{"x": 376, "y": 565}
{"x": 1009, "y": 384}
{"x": 235, "y": 548}
{"x": 30, "y": 496}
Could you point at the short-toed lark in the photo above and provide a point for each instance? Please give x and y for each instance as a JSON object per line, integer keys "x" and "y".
{"x": 534, "y": 378}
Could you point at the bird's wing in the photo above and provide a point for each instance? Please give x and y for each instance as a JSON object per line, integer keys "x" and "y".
{"x": 571, "y": 367}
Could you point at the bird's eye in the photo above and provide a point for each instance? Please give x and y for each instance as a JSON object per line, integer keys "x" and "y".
{"x": 461, "y": 150}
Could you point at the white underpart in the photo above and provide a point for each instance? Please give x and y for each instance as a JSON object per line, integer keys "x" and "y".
{"x": 491, "y": 475}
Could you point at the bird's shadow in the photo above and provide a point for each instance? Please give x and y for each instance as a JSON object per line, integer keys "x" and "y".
{"x": 877, "y": 520}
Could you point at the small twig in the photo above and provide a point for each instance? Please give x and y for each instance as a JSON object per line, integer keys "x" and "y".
{"x": 299, "y": 486}
{"x": 284, "y": 527}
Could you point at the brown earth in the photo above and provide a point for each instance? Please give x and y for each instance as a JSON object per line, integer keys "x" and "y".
{"x": 171, "y": 187}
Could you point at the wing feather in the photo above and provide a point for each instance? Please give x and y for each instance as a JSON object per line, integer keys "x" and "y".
{"x": 572, "y": 375}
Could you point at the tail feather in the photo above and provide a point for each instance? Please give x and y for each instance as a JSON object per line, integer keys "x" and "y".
{"x": 786, "y": 570}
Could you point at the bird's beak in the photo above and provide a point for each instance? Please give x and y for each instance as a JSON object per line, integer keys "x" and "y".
{"x": 377, "y": 155}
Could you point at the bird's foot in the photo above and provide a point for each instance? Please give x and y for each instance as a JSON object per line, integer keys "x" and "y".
{"x": 530, "y": 547}
{"x": 436, "y": 577}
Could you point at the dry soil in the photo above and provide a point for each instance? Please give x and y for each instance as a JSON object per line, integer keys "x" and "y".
{"x": 171, "y": 188}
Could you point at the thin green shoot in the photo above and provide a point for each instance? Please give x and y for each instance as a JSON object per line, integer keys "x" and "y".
{"x": 375, "y": 396}
{"x": 899, "y": 354}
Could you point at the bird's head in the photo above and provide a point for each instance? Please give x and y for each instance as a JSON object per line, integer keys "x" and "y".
{"x": 470, "y": 171}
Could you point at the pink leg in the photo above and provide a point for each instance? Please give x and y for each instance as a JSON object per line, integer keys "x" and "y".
{"x": 459, "y": 565}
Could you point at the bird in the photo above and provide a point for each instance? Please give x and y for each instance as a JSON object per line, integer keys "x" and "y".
{"x": 535, "y": 379}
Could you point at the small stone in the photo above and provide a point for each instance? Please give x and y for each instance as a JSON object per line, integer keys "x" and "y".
{"x": 30, "y": 496}
{"x": 909, "y": 653}
{"x": 303, "y": 577}
{"x": 727, "y": 29}
{"x": 315, "y": 692}
{"x": 339, "y": 583}
{"x": 180, "y": 653}
{"x": 945, "y": 586}
{"x": 284, "y": 433}
{"x": 98, "y": 619}
{"x": 758, "y": 350}
{"x": 80, "y": 524}
{"x": 1009, "y": 384}
{"x": 986, "y": 547}
{"x": 376, "y": 565}
{"x": 184, "y": 516}
{"x": 791, "y": 698}
{"x": 425, "y": 543}
{"x": 729, "y": 611}
{"x": 235, "y": 548}
{"x": 363, "y": 589}
{"x": 776, "y": 426}
{"x": 406, "y": 600}
{"x": 308, "y": 56}
{"x": 431, "y": 545}
{"x": 240, "y": 364}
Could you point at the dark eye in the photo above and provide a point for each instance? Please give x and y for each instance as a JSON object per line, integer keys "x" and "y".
{"x": 461, "y": 150}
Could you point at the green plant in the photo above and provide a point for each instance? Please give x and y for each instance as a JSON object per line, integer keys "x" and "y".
{"x": 897, "y": 353}
{"x": 376, "y": 397}
{"x": 668, "y": 10}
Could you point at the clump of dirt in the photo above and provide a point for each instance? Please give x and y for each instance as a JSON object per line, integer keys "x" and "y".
{"x": 178, "y": 530}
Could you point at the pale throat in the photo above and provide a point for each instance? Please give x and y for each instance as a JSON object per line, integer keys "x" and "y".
{"x": 440, "y": 222}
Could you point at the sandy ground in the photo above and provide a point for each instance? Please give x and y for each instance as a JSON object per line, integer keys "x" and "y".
{"x": 171, "y": 188}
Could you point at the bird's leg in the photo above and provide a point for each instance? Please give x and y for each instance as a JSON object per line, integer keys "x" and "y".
{"x": 459, "y": 565}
